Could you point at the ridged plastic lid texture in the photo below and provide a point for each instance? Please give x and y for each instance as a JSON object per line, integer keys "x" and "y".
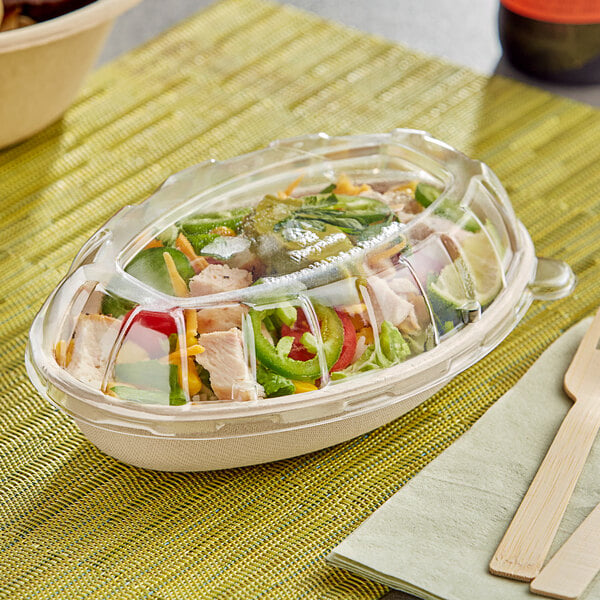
{"x": 274, "y": 283}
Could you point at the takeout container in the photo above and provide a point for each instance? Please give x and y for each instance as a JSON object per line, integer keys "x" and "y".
{"x": 42, "y": 66}
{"x": 222, "y": 434}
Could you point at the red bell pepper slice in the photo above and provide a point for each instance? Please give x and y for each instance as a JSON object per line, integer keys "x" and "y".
{"x": 157, "y": 321}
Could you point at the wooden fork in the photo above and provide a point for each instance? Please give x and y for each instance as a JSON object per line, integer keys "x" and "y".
{"x": 525, "y": 544}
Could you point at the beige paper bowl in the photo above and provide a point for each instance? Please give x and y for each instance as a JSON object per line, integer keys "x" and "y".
{"x": 42, "y": 66}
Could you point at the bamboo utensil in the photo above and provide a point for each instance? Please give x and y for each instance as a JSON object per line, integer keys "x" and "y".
{"x": 576, "y": 563}
{"x": 521, "y": 553}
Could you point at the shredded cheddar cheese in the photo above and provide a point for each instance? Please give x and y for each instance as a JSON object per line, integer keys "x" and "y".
{"x": 223, "y": 231}
{"x": 63, "y": 351}
{"x": 289, "y": 190}
{"x": 345, "y": 186}
{"x": 154, "y": 244}
{"x": 193, "y": 383}
{"x": 303, "y": 386}
{"x": 179, "y": 285}
{"x": 191, "y": 326}
{"x": 367, "y": 333}
{"x": 199, "y": 263}
{"x": 388, "y": 252}
{"x": 408, "y": 186}
{"x": 183, "y": 245}
{"x": 193, "y": 350}
{"x": 381, "y": 258}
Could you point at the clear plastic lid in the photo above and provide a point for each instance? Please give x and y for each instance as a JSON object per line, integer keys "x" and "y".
{"x": 294, "y": 269}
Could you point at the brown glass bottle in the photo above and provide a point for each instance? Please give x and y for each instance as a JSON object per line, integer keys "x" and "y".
{"x": 557, "y": 40}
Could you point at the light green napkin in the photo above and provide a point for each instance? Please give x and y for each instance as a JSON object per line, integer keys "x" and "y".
{"x": 436, "y": 536}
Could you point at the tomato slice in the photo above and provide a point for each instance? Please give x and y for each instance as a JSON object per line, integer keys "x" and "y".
{"x": 349, "y": 345}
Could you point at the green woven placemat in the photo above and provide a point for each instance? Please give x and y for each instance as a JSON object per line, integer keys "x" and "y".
{"x": 77, "y": 524}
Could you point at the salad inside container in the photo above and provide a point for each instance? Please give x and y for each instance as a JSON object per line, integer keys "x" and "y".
{"x": 310, "y": 273}
{"x": 362, "y": 282}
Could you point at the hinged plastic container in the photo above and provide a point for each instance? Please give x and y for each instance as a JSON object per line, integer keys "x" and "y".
{"x": 286, "y": 300}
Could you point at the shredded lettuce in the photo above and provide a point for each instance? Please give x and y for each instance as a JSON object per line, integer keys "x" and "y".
{"x": 274, "y": 384}
{"x": 393, "y": 345}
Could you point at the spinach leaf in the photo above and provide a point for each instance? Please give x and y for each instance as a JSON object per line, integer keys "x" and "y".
{"x": 149, "y": 266}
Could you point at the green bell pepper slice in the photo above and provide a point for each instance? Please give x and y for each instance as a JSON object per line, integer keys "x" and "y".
{"x": 332, "y": 332}
{"x": 206, "y": 222}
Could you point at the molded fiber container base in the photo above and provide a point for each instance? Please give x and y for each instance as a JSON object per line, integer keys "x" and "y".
{"x": 185, "y": 454}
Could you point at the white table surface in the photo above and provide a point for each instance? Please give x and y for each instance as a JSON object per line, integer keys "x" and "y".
{"x": 462, "y": 31}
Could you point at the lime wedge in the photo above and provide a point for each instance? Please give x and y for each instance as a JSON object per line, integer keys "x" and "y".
{"x": 449, "y": 287}
{"x": 475, "y": 275}
{"x": 483, "y": 265}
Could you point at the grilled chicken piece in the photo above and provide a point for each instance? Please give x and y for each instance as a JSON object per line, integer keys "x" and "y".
{"x": 95, "y": 336}
{"x": 391, "y": 305}
{"x": 220, "y": 319}
{"x": 219, "y": 278}
{"x": 223, "y": 358}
